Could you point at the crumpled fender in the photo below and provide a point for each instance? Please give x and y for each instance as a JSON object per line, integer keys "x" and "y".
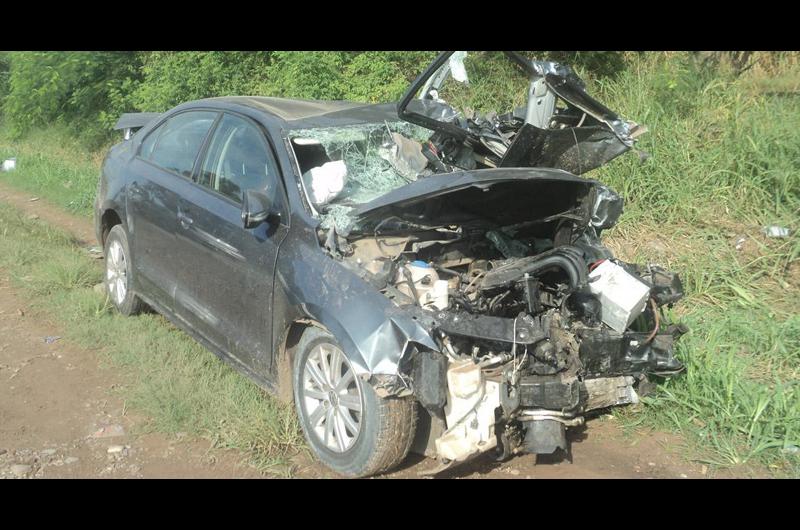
{"x": 374, "y": 334}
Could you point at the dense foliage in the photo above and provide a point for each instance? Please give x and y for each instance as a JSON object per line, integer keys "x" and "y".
{"x": 87, "y": 91}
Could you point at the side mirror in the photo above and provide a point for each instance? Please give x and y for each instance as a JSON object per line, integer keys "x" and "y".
{"x": 256, "y": 208}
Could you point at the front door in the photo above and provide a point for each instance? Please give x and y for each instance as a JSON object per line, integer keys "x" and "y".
{"x": 228, "y": 270}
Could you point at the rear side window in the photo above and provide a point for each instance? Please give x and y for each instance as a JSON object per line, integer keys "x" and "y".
{"x": 175, "y": 143}
{"x": 238, "y": 159}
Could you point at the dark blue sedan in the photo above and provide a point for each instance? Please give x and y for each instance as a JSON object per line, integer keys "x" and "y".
{"x": 415, "y": 275}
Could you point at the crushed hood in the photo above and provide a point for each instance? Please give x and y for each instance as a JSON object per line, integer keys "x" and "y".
{"x": 503, "y": 197}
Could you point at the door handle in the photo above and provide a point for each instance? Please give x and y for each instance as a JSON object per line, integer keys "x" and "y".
{"x": 185, "y": 220}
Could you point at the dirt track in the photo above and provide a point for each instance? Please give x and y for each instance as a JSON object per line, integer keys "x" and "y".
{"x": 55, "y": 399}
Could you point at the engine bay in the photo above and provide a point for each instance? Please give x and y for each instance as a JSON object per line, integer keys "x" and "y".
{"x": 538, "y": 321}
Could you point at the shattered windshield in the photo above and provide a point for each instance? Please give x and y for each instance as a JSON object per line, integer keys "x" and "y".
{"x": 343, "y": 167}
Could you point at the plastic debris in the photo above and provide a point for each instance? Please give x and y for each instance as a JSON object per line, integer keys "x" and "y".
{"x": 51, "y": 339}
{"x": 404, "y": 155}
{"x": 775, "y": 231}
{"x": 109, "y": 431}
{"x": 9, "y": 164}
{"x": 457, "y": 68}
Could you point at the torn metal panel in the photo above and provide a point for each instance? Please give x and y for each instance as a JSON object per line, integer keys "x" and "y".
{"x": 575, "y": 149}
{"x": 582, "y": 136}
{"x": 607, "y": 207}
{"x": 565, "y": 83}
{"x": 373, "y": 332}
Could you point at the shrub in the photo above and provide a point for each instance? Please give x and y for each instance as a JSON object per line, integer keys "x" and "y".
{"x": 306, "y": 75}
{"x": 85, "y": 90}
{"x": 4, "y": 74}
{"x": 171, "y": 78}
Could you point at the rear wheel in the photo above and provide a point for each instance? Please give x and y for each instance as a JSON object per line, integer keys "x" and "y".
{"x": 349, "y": 428}
{"x": 118, "y": 272}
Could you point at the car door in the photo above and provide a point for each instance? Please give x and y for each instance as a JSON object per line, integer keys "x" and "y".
{"x": 227, "y": 269}
{"x": 161, "y": 170}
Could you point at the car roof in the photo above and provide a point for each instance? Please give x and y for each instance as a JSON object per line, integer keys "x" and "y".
{"x": 309, "y": 113}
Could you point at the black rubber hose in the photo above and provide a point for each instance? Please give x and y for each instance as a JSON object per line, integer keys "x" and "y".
{"x": 565, "y": 258}
{"x": 410, "y": 281}
{"x": 576, "y": 275}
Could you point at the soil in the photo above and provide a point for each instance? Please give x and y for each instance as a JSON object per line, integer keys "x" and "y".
{"x": 62, "y": 416}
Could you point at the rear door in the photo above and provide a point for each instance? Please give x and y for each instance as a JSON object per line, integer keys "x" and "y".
{"x": 229, "y": 269}
{"x": 161, "y": 172}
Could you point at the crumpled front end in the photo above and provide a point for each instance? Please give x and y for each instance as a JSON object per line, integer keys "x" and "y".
{"x": 479, "y": 230}
{"x": 530, "y": 344}
{"x": 537, "y": 324}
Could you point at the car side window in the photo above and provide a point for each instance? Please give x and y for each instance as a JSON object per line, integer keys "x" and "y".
{"x": 175, "y": 143}
{"x": 238, "y": 159}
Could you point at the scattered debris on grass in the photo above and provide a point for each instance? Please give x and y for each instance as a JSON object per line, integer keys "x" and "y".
{"x": 775, "y": 231}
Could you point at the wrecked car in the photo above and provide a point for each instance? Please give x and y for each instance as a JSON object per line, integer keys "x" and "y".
{"x": 415, "y": 276}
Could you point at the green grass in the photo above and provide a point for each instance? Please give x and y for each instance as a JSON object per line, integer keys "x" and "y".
{"x": 55, "y": 166}
{"x": 724, "y": 161}
{"x": 177, "y": 384}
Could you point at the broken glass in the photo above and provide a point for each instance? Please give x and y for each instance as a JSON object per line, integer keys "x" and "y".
{"x": 366, "y": 151}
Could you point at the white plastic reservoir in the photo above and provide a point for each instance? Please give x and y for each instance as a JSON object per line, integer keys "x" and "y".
{"x": 622, "y": 295}
{"x": 431, "y": 291}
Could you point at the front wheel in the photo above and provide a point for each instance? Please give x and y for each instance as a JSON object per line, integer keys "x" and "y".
{"x": 118, "y": 272}
{"x": 349, "y": 428}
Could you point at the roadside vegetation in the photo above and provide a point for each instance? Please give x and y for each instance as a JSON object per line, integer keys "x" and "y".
{"x": 721, "y": 161}
{"x": 724, "y": 161}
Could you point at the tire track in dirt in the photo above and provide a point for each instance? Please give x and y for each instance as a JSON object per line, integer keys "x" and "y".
{"x": 54, "y": 396}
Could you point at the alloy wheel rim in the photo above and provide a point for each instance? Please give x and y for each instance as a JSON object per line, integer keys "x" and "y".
{"x": 332, "y": 398}
{"x": 116, "y": 272}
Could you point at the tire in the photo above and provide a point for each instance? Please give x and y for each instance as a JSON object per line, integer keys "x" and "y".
{"x": 118, "y": 273}
{"x": 385, "y": 426}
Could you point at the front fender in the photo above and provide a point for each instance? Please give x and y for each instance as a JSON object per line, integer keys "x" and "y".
{"x": 374, "y": 334}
